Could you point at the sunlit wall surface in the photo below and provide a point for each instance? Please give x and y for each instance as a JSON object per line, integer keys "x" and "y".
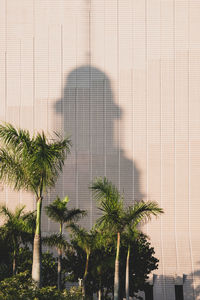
{"x": 122, "y": 77}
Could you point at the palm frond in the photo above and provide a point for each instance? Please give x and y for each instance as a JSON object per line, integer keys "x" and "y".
{"x": 59, "y": 212}
{"x": 73, "y": 215}
{"x": 11, "y": 170}
{"x": 14, "y": 138}
{"x": 142, "y": 212}
{"x": 55, "y": 240}
{"x": 48, "y": 158}
{"x": 85, "y": 240}
{"x": 31, "y": 163}
{"x": 104, "y": 189}
{"x": 19, "y": 210}
{"x": 4, "y": 211}
{"x": 15, "y": 227}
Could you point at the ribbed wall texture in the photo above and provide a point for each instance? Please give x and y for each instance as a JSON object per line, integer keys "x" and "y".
{"x": 122, "y": 77}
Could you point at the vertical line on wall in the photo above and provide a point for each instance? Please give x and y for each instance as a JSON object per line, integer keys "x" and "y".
{"x": 6, "y": 85}
{"x": 118, "y": 96}
{"x": 33, "y": 54}
{"x": 33, "y": 17}
{"x": 62, "y": 96}
{"x": 61, "y": 77}
{"x": 132, "y": 97}
{"x": 5, "y": 25}
{"x": 175, "y": 211}
{"x": 104, "y": 125}
{"x": 189, "y": 155}
{"x": 20, "y": 82}
{"x": 48, "y": 193}
{"x": 104, "y": 101}
{"x": 33, "y": 62}
{"x": 33, "y": 58}
{"x": 90, "y": 113}
{"x": 6, "y": 51}
{"x": 20, "y": 100}
{"x": 34, "y": 203}
{"x": 146, "y": 99}
{"x": 76, "y": 134}
{"x": 161, "y": 153}
{"x": 6, "y": 188}
{"x": 76, "y": 146}
{"x": 48, "y": 80}
{"x": 6, "y": 91}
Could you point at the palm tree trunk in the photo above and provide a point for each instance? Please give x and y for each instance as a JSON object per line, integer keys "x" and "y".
{"x": 85, "y": 274}
{"x": 14, "y": 262}
{"x": 36, "y": 267}
{"x": 59, "y": 262}
{"x": 100, "y": 291}
{"x": 127, "y": 273}
{"x": 99, "y": 294}
{"x": 59, "y": 268}
{"x": 116, "y": 278}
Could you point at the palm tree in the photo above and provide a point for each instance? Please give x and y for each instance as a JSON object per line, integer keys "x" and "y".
{"x": 119, "y": 219}
{"x": 32, "y": 164}
{"x": 87, "y": 242}
{"x": 133, "y": 215}
{"x": 15, "y": 228}
{"x": 59, "y": 212}
{"x": 111, "y": 205}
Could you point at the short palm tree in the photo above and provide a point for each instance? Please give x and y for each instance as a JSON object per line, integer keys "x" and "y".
{"x": 59, "y": 212}
{"x": 86, "y": 241}
{"x": 133, "y": 215}
{"x": 117, "y": 218}
{"x": 15, "y": 228}
{"x": 32, "y": 164}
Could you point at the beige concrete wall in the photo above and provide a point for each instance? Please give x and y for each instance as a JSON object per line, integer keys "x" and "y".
{"x": 122, "y": 77}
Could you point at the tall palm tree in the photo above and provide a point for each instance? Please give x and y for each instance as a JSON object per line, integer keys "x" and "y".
{"x": 59, "y": 212}
{"x": 118, "y": 219}
{"x": 33, "y": 164}
{"x": 133, "y": 215}
{"x": 15, "y": 228}
{"x": 111, "y": 205}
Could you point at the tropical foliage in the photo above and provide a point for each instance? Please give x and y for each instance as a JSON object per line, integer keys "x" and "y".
{"x": 16, "y": 229}
{"x": 60, "y": 213}
{"x": 94, "y": 257}
{"x": 33, "y": 164}
{"x": 117, "y": 218}
{"x": 100, "y": 274}
{"x": 21, "y": 286}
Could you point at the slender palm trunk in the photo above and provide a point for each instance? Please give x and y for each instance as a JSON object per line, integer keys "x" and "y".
{"x": 116, "y": 278}
{"x": 127, "y": 273}
{"x": 100, "y": 290}
{"x": 85, "y": 274}
{"x": 59, "y": 263}
{"x": 59, "y": 269}
{"x": 14, "y": 262}
{"x": 37, "y": 253}
{"x": 99, "y": 294}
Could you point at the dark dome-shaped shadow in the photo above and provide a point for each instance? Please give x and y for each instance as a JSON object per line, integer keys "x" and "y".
{"x": 89, "y": 113}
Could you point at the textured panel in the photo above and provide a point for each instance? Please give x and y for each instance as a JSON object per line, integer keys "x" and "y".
{"x": 122, "y": 78}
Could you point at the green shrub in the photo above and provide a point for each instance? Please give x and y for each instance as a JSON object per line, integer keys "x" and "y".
{"x": 20, "y": 286}
{"x": 24, "y": 263}
{"x": 17, "y": 287}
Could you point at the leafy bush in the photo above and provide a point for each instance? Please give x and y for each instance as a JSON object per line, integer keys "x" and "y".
{"x": 24, "y": 263}
{"x": 20, "y": 286}
{"x": 17, "y": 287}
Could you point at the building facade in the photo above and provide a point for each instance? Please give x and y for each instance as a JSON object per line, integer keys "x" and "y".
{"x": 122, "y": 77}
